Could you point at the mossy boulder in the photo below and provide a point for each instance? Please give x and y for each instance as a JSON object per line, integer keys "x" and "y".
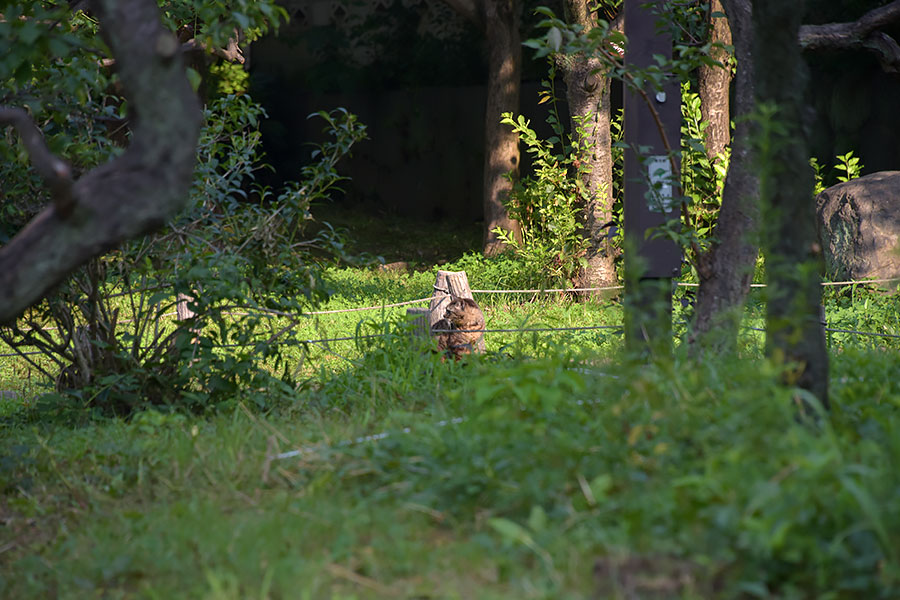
{"x": 859, "y": 227}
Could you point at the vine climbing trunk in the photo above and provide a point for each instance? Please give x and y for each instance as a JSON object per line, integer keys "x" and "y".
{"x": 794, "y": 334}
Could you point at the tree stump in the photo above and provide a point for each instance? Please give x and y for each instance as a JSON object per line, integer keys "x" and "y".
{"x": 447, "y": 286}
{"x": 419, "y": 318}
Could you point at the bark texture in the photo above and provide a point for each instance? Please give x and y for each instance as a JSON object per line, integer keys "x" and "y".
{"x": 726, "y": 270}
{"x": 131, "y": 195}
{"x": 794, "y": 334}
{"x": 588, "y": 97}
{"x": 501, "y": 148}
{"x": 714, "y": 83}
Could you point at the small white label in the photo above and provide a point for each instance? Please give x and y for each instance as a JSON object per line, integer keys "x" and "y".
{"x": 660, "y": 97}
{"x": 659, "y": 171}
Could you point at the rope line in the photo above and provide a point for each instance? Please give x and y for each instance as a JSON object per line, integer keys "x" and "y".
{"x": 505, "y": 330}
{"x": 513, "y": 330}
{"x": 496, "y": 291}
{"x": 688, "y": 284}
{"x": 375, "y": 437}
{"x": 551, "y": 290}
{"x": 350, "y": 338}
{"x": 394, "y": 305}
{"x": 888, "y": 280}
{"x": 360, "y": 440}
{"x": 824, "y": 283}
{"x": 833, "y": 330}
{"x": 884, "y": 335}
{"x": 487, "y": 291}
{"x": 527, "y": 330}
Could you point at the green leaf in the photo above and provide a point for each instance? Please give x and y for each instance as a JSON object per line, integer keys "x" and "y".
{"x": 537, "y": 519}
{"x": 29, "y": 32}
{"x": 600, "y": 486}
{"x": 194, "y": 78}
{"x": 512, "y": 531}
{"x": 554, "y": 38}
{"x": 58, "y": 47}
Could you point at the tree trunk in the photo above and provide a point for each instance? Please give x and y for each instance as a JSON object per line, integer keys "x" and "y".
{"x": 588, "y": 97}
{"x": 714, "y": 83}
{"x": 726, "y": 270}
{"x": 793, "y": 257}
{"x": 501, "y": 148}
{"x": 130, "y": 195}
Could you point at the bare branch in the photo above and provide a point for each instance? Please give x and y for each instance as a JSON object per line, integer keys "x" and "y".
{"x": 861, "y": 34}
{"x": 55, "y": 171}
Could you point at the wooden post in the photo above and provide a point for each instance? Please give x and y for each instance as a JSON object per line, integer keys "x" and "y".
{"x": 419, "y": 318}
{"x": 184, "y": 313}
{"x": 449, "y": 285}
{"x": 181, "y": 307}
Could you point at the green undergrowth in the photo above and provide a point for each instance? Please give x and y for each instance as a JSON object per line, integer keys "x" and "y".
{"x": 540, "y": 474}
{"x": 550, "y": 467}
{"x": 335, "y": 341}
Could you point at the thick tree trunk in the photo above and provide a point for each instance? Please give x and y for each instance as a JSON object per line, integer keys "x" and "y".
{"x": 793, "y": 256}
{"x": 726, "y": 270}
{"x": 587, "y": 94}
{"x": 501, "y": 148}
{"x": 131, "y": 195}
{"x": 714, "y": 83}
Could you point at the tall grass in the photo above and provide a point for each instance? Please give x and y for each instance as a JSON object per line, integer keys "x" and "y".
{"x": 548, "y": 468}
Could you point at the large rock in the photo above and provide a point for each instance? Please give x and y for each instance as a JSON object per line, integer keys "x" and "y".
{"x": 859, "y": 227}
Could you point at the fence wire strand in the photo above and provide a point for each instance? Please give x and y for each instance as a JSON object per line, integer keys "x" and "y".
{"x": 296, "y": 317}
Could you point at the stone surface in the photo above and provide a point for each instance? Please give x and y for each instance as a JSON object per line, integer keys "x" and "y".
{"x": 859, "y": 227}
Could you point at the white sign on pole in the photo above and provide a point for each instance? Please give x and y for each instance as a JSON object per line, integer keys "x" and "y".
{"x": 659, "y": 172}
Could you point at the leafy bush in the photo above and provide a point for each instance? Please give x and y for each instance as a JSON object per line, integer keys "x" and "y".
{"x": 847, "y": 165}
{"x": 548, "y": 203}
{"x": 713, "y": 466}
{"x": 702, "y": 180}
{"x": 236, "y": 246}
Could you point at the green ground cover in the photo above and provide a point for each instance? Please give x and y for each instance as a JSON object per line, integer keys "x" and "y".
{"x": 548, "y": 468}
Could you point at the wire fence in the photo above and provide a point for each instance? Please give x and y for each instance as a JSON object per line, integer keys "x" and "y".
{"x": 276, "y": 313}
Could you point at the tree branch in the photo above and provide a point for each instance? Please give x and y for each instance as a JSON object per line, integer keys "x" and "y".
{"x": 55, "y": 171}
{"x": 862, "y": 34}
{"x": 131, "y": 195}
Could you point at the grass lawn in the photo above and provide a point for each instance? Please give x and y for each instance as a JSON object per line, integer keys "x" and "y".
{"x": 551, "y": 467}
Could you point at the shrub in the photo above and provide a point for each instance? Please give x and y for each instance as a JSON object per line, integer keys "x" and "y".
{"x": 104, "y": 335}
